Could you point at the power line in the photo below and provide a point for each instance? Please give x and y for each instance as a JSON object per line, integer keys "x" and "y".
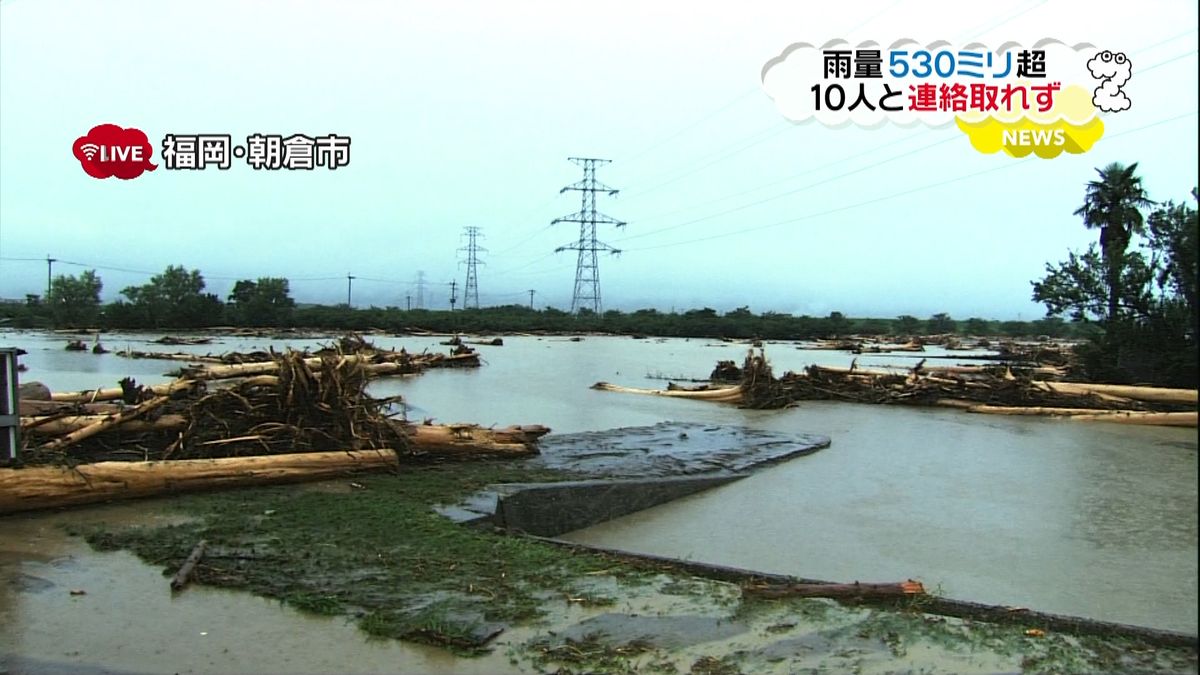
{"x": 735, "y": 100}
{"x": 587, "y": 269}
{"x": 758, "y": 138}
{"x": 793, "y": 191}
{"x": 891, "y": 196}
{"x": 820, "y": 167}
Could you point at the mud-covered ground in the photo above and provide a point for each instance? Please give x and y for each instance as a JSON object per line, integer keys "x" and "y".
{"x": 372, "y": 550}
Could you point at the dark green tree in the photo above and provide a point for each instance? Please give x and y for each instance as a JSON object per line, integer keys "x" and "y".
{"x": 1114, "y": 204}
{"x": 1174, "y": 232}
{"x": 837, "y": 324}
{"x": 941, "y": 323}
{"x": 976, "y": 326}
{"x": 174, "y": 299}
{"x": 75, "y": 301}
{"x": 907, "y": 324}
{"x": 266, "y": 302}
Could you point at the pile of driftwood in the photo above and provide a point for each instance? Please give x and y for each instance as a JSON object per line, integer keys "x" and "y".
{"x": 296, "y": 417}
{"x": 995, "y": 389}
{"x": 379, "y": 361}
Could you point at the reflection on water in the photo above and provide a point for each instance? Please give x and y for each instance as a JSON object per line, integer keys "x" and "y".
{"x": 1083, "y": 518}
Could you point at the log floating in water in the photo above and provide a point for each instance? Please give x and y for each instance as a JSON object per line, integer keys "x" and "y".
{"x": 185, "y": 570}
{"x": 1167, "y": 419}
{"x": 719, "y": 394}
{"x": 1157, "y": 394}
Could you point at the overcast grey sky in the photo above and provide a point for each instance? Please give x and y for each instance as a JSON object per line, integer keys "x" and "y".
{"x": 464, "y": 114}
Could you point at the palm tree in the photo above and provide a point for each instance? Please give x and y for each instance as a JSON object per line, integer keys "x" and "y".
{"x": 1113, "y": 204}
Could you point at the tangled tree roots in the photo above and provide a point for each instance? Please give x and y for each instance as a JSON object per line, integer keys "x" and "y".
{"x": 302, "y": 408}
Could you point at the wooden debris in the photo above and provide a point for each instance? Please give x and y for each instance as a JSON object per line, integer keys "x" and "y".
{"x": 37, "y": 487}
{"x": 180, "y": 580}
{"x": 58, "y": 424}
{"x": 117, "y": 393}
{"x": 105, "y": 422}
{"x": 1000, "y": 389}
{"x": 852, "y": 591}
{"x": 722, "y": 394}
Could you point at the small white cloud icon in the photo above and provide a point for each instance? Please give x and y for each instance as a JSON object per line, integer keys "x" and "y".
{"x": 1113, "y": 69}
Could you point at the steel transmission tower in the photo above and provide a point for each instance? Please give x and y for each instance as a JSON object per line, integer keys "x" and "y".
{"x": 587, "y": 270}
{"x": 472, "y": 249}
{"x": 420, "y": 289}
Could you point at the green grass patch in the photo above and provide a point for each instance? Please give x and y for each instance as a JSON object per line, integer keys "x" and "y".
{"x": 379, "y": 553}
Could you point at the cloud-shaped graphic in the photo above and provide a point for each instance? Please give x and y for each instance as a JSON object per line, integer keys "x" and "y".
{"x": 1113, "y": 70}
{"x": 789, "y": 79}
{"x": 110, "y": 150}
{"x": 1073, "y": 127}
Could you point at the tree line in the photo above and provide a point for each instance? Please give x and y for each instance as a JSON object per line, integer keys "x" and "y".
{"x": 177, "y": 299}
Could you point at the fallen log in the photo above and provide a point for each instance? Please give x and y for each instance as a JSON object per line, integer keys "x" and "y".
{"x": 396, "y": 363}
{"x": 58, "y": 426}
{"x": 170, "y": 356}
{"x": 52, "y": 486}
{"x": 1038, "y": 410}
{"x": 1156, "y": 394}
{"x": 105, "y": 422}
{"x": 1168, "y": 419}
{"x": 718, "y": 394}
{"x": 222, "y": 372}
{"x": 856, "y": 590}
{"x": 929, "y": 604}
{"x": 470, "y": 440}
{"x": 115, "y": 393}
{"x": 35, "y": 408}
{"x": 447, "y": 439}
{"x": 185, "y": 570}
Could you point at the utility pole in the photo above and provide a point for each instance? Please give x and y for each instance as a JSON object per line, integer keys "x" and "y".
{"x": 472, "y": 249}
{"x": 420, "y": 289}
{"x": 408, "y": 302}
{"x": 453, "y": 296}
{"x": 49, "y": 274}
{"x": 531, "y": 292}
{"x": 587, "y": 269}
{"x": 349, "y": 284}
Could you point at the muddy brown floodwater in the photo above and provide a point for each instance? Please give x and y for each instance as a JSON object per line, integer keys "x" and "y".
{"x": 126, "y": 619}
{"x": 1093, "y": 519}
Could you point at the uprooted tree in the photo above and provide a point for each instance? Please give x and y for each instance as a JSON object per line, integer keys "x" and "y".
{"x": 1139, "y": 284}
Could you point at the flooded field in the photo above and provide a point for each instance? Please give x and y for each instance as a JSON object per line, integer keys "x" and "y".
{"x": 1093, "y": 519}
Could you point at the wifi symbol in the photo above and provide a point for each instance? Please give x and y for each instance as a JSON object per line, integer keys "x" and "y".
{"x": 89, "y": 150}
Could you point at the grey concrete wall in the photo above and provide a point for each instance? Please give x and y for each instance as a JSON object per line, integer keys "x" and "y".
{"x": 551, "y": 509}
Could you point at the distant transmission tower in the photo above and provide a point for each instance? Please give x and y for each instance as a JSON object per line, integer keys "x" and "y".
{"x": 420, "y": 289}
{"x": 472, "y": 249}
{"x": 587, "y": 270}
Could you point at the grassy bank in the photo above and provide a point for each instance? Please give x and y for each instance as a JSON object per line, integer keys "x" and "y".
{"x": 370, "y": 548}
